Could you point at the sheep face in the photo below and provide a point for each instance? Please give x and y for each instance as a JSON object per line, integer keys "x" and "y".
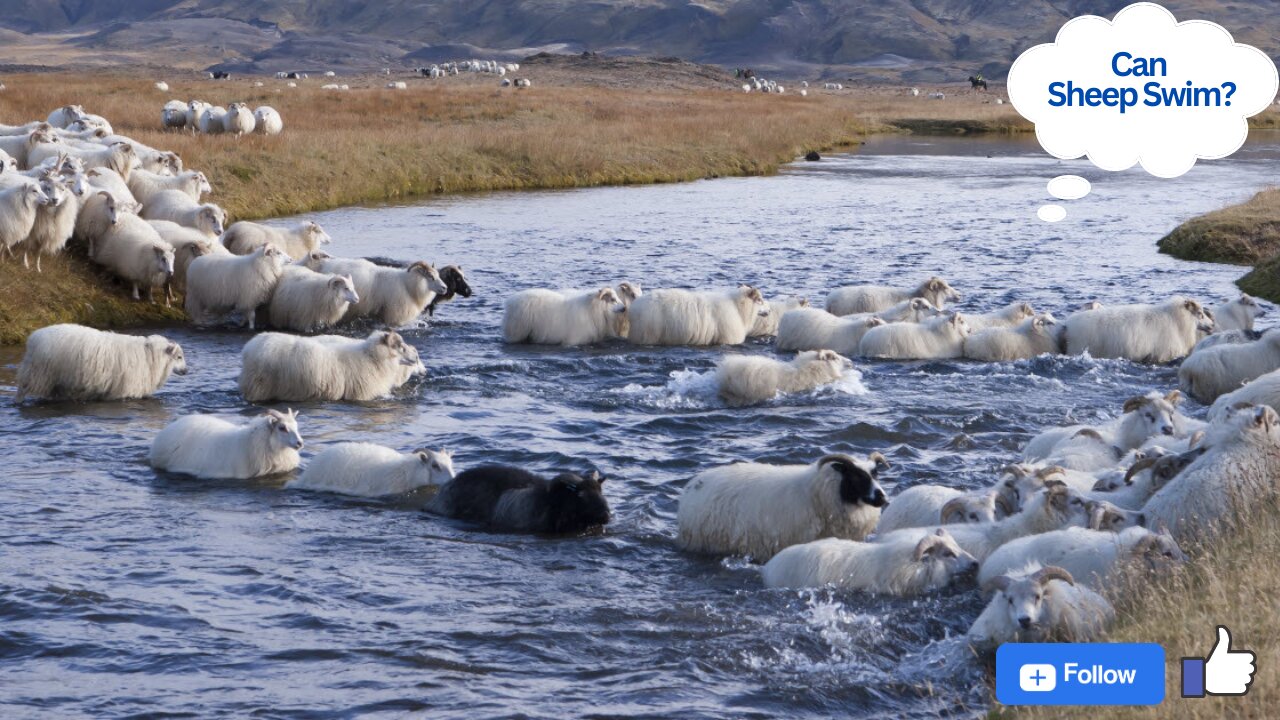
{"x": 435, "y": 466}
{"x": 1023, "y": 598}
{"x": 1044, "y": 324}
{"x": 202, "y": 184}
{"x": 457, "y": 282}
{"x": 284, "y": 430}
{"x": 35, "y": 197}
{"x": 1017, "y": 484}
{"x": 172, "y": 352}
{"x": 943, "y": 557}
{"x": 163, "y": 261}
{"x": 1203, "y": 318}
{"x": 575, "y": 503}
{"x": 969, "y": 509}
{"x": 276, "y": 257}
{"x": 1159, "y": 552}
{"x": 316, "y": 236}
{"x": 1249, "y": 306}
{"x": 1062, "y": 506}
{"x": 1150, "y": 415}
{"x": 427, "y": 275}
{"x": 314, "y": 259}
{"x": 756, "y": 299}
{"x": 54, "y": 192}
{"x": 1108, "y": 518}
{"x": 939, "y": 291}
{"x": 344, "y": 288}
{"x": 628, "y": 291}
{"x": 959, "y": 325}
{"x": 211, "y": 219}
{"x": 857, "y": 486}
{"x": 836, "y": 363}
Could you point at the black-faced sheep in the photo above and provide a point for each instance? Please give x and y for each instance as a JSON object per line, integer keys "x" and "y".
{"x": 244, "y": 237}
{"x": 395, "y": 296}
{"x": 814, "y": 329}
{"x": 1141, "y": 333}
{"x": 306, "y": 301}
{"x": 873, "y": 298}
{"x": 1091, "y": 556}
{"x": 750, "y": 379}
{"x": 209, "y": 447}
{"x": 456, "y": 284}
{"x": 939, "y": 338}
{"x": 757, "y": 510}
{"x": 1207, "y": 374}
{"x": 1032, "y": 338}
{"x": 368, "y": 470}
{"x": 548, "y": 317}
{"x": 684, "y": 317}
{"x": 1039, "y": 605}
{"x": 903, "y": 568}
{"x": 509, "y": 498}
{"x": 330, "y": 367}
{"x": 218, "y": 285}
{"x": 73, "y": 362}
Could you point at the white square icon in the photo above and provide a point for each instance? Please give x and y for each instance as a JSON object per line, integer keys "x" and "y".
{"x": 1037, "y": 678}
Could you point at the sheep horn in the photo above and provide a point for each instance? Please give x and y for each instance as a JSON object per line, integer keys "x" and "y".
{"x": 1134, "y": 403}
{"x": 1053, "y": 572}
{"x": 1046, "y": 472}
{"x": 1197, "y": 437}
{"x": 880, "y": 460}
{"x": 1174, "y": 397}
{"x": 1138, "y": 467}
{"x": 952, "y": 506}
{"x": 1015, "y": 469}
{"x": 1002, "y": 504}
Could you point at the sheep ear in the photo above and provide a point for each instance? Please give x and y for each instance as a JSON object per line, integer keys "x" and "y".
{"x": 1053, "y": 572}
{"x": 1192, "y": 305}
{"x": 603, "y": 294}
{"x": 424, "y": 456}
{"x": 935, "y": 283}
{"x": 1197, "y": 437}
{"x": 882, "y": 462}
{"x": 1133, "y": 404}
{"x": 173, "y": 348}
{"x": 1002, "y": 583}
{"x": 804, "y": 302}
{"x": 1174, "y": 397}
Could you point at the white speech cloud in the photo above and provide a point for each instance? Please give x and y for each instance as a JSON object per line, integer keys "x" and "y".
{"x": 1143, "y": 62}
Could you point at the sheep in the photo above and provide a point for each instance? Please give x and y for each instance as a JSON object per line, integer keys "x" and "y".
{"x": 210, "y": 122}
{"x": 1091, "y": 556}
{"x": 1210, "y": 373}
{"x": 209, "y": 447}
{"x": 54, "y": 224}
{"x": 19, "y": 207}
{"x": 133, "y": 251}
{"x": 145, "y": 185}
{"x": 267, "y": 121}
{"x": 1040, "y": 604}
{"x": 119, "y": 157}
{"x": 1263, "y": 390}
{"x": 73, "y": 362}
{"x": 329, "y": 367}
{"x": 510, "y": 498}
{"x": 1226, "y": 337}
{"x": 1143, "y": 479}
{"x": 1055, "y": 506}
{"x": 1141, "y": 333}
{"x": 222, "y": 284}
{"x": 98, "y": 215}
{"x": 177, "y": 206}
{"x": 1143, "y": 417}
{"x": 296, "y": 241}
{"x": 150, "y": 159}
{"x": 1237, "y": 314}
{"x": 184, "y": 253}
{"x": 456, "y": 284}
{"x": 684, "y": 317}
{"x": 757, "y": 510}
{"x": 925, "y": 505}
{"x": 873, "y": 298}
{"x": 902, "y": 568}
{"x": 814, "y": 329}
{"x": 915, "y": 310}
{"x": 397, "y": 85}
{"x": 65, "y": 115}
{"x": 40, "y": 141}
{"x": 195, "y": 109}
{"x": 746, "y": 380}
{"x": 239, "y": 119}
{"x": 396, "y": 296}
{"x": 110, "y": 181}
{"x": 1231, "y": 477}
{"x": 1033, "y": 337}
{"x": 306, "y": 301}
{"x": 162, "y": 86}
{"x": 938, "y": 338}
{"x": 367, "y": 470}
{"x": 547, "y": 317}
{"x": 767, "y": 325}
{"x": 1010, "y": 316}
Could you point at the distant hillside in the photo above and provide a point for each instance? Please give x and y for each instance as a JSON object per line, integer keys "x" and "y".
{"x": 920, "y": 39}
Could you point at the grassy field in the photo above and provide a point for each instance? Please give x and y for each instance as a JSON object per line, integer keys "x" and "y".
{"x": 1244, "y": 234}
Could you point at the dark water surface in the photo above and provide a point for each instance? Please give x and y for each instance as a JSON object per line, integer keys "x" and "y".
{"x": 125, "y": 592}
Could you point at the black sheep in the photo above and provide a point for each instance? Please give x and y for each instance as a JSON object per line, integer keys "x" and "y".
{"x": 510, "y": 498}
{"x": 457, "y": 284}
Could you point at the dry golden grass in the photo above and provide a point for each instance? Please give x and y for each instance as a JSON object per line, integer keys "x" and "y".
{"x": 1231, "y": 582}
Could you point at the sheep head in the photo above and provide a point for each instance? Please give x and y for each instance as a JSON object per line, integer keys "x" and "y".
{"x": 856, "y": 485}
{"x": 1106, "y": 517}
{"x": 1024, "y": 595}
{"x": 1154, "y": 413}
{"x": 940, "y": 547}
{"x": 283, "y": 427}
{"x": 428, "y": 272}
{"x": 344, "y": 288}
{"x": 1202, "y": 315}
{"x": 177, "y": 360}
{"x": 438, "y": 465}
{"x": 629, "y": 292}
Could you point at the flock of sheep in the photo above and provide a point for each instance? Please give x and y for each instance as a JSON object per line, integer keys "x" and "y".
{"x": 1047, "y": 538}
{"x": 238, "y": 119}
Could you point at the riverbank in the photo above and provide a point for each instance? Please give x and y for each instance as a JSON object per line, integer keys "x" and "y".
{"x": 375, "y": 145}
{"x": 1244, "y": 234}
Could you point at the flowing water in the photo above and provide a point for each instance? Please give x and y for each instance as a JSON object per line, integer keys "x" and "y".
{"x": 123, "y": 591}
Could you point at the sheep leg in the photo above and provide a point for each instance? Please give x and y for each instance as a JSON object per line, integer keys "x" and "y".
{"x": 136, "y": 296}
{"x": 25, "y": 262}
{"x": 168, "y": 294}
{"x": 38, "y": 268}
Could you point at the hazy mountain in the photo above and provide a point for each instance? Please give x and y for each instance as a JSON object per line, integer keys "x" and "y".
{"x": 898, "y": 37}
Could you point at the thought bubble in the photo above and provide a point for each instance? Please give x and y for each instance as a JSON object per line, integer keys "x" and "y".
{"x": 1068, "y": 187}
{"x": 1142, "y": 89}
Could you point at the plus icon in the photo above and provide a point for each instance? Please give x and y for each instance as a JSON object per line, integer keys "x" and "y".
{"x": 1035, "y": 677}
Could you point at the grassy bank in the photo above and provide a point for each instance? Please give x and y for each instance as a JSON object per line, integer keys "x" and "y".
{"x": 1244, "y": 234}
{"x": 1231, "y": 583}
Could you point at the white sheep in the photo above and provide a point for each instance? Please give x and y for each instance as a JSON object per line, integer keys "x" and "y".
{"x": 904, "y": 568}
{"x": 55, "y": 221}
{"x": 99, "y": 213}
{"x": 397, "y": 85}
{"x": 749, "y": 379}
{"x": 306, "y": 301}
{"x": 162, "y": 86}
{"x": 239, "y": 119}
{"x": 210, "y": 122}
{"x": 133, "y": 251}
{"x": 1143, "y": 478}
{"x": 173, "y": 115}
{"x": 873, "y": 298}
{"x": 112, "y": 182}
{"x": 1040, "y": 604}
{"x": 368, "y": 470}
{"x": 187, "y": 245}
{"x": 814, "y": 329}
{"x": 684, "y": 317}
{"x": 1226, "y": 337}
{"x": 1263, "y": 390}
{"x": 1141, "y": 333}
{"x": 209, "y": 447}
{"x": 1091, "y": 556}
{"x": 1237, "y": 314}
{"x": 1144, "y": 417}
{"x": 548, "y": 317}
{"x": 915, "y": 310}
{"x": 73, "y": 362}
{"x": 195, "y": 109}
{"x": 19, "y": 207}
{"x": 177, "y": 206}
{"x": 756, "y": 509}
{"x": 218, "y": 285}
{"x": 1207, "y": 374}
{"x": 1009, "y": 316}
{"x": 295, "y": 241}
{"x": 1032, "y": 338}
{"x": 941, "y": 337}
{"x": 767, "y": 325}
{"x": 395, "y": 296}
{"x": 1231, "y": 478}
{"x": 40, "y": 142}
{"x": 328, "y": 367}
{"x": 148, "y": 158}
{"x": 145, "y": 185}
{"x": 1054, "y": 507}
{"x": 926, "y": 505}
{"x": 267, "y": 120}
{"x": 65, "y": 115}
{"x": 119, "y": 157}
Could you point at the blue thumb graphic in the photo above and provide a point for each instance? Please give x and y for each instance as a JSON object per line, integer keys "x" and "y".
{"x": 1192, "y": 677}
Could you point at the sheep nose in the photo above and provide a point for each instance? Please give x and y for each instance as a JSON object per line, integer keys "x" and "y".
{"x": 1167, "y": 429}
{"x": 1025, "y": 622}
{"x": 298, "y": 445}
{"x": 1142, "y": 519}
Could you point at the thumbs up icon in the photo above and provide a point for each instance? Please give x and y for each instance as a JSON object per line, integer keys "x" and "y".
{"x": 1224, "y": 672}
